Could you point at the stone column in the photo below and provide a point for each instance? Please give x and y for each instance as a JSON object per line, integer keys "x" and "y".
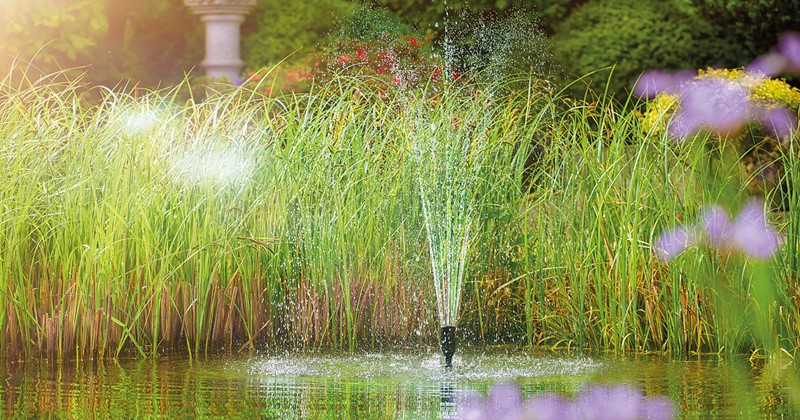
{"x": 222, "y": 19}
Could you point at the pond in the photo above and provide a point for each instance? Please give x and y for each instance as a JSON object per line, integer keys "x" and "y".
{"x": 393, "y": 384}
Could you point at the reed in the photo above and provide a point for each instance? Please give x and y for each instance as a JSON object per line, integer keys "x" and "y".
{"x": 149, "y": 223}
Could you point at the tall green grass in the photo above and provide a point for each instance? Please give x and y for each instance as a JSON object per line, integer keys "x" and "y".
{"x": 148, "y": 223}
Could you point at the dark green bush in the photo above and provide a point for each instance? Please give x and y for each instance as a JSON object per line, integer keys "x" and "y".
{"x": 278, "y": 28}
{"x": 427, "y": 13}
{"x": 370, "y": 24}
{"x": 753, "y": 26}
{"x": 632, "y": 35}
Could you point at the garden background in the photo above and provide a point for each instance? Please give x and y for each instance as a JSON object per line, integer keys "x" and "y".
{"x": 154, "y": 42}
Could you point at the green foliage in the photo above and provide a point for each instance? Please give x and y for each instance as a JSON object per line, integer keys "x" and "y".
{"x": 753, "y": 26}
{"x": 633, "y": 36}
{"x": 372, "y": 23}
{"x": 156, "y": 40}
{"x": 277, "y": 28}
{"x": 68, "y": 28}
{"x": 429, "y": 13}
{"x": 506, "y": 43}
{"x": 147, "y": 41}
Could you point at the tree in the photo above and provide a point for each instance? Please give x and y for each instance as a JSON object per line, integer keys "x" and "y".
{"x": 146, "y": 41}
{"x": 49, "y": 32}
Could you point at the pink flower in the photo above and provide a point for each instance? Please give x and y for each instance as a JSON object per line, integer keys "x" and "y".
{"x": 413, "y": 41}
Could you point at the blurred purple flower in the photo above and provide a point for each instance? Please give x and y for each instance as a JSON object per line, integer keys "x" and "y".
{"x": 471, "y": 406}
{"x": 505, "y": 401}
{"x": 770, "y": 65}
{"x": 673, "y": 242}
{"x": 595, "y": 402}
{"x": 654, "y": 81}
{"x": 751, "y": 234}
{"x": 549, "y": 406}
{"x": 719, "y": 105}
{"x": 615, "y": 403}
{"x": 784, "y": 58}
{"x": 238, "y": 81}
{"x": 789, "y": 47}
{"x": 779, "y": 122}
{"x": 716, "y": 226}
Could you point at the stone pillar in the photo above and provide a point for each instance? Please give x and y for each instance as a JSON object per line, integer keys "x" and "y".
{"x": 222, "y": 19}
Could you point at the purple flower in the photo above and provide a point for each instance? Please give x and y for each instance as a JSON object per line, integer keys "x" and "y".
{"x": 751, "y": 234}
{"x": 780, "y": 122}
{"x": 595, "y": 402}
{"x": 653, "y": 82}
{"x": 615, "y": 403}
{"x": 549, "y": 406}
{"x": 716, "y": 226}
{"x": 471, "y": 406}
{"x": 719, "y": 105}
{"x": 789, "y": 47}
{"x": 673, "y": 242}
{"x": 505, "y": 401}
{"x": 770, "y": 65}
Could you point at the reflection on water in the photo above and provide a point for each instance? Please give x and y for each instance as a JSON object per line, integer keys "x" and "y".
{"x": 371, "y": 385}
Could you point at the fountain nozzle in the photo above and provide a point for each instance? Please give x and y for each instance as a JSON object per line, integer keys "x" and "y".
{"x": 447, "y": 339}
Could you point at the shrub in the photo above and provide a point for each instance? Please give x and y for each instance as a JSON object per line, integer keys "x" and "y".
{"x": 631, "y": 35}
{"x": 277, "y": 29}
{"x": 373, "y": 47}
{"x": 752, "y": 26}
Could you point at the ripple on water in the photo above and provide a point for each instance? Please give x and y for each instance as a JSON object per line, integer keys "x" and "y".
{"x": 424, "y": 366}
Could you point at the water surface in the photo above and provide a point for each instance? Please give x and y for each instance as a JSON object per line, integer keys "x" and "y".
{"x": 400, "y": 384}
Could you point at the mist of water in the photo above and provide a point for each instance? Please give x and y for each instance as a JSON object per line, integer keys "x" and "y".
{"x": 448, "y": 164}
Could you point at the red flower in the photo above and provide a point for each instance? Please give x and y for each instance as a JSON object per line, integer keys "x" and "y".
{"x": 362, "y": 56}
{"x": 413, "y": 41}
{"x": 268, "y": 91}
{"x": 456, "y": 74}
{"x": 344, "y": 58}
{"x": 396, "y": 79}
{"x": 437, "y": 74}
{"x": 387, "y": 57}
{"x": 253, "y": 76}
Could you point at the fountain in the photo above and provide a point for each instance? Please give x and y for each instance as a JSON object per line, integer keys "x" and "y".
{"x": 449, "y": 159}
